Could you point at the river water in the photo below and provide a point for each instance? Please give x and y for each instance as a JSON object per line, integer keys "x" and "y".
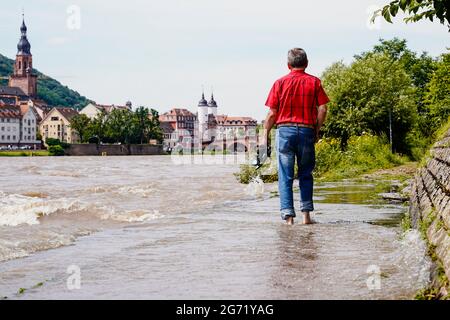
{"x": 149, "y": 228}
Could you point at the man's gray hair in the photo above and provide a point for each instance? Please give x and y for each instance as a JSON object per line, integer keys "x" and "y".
{"x": 297, "y": 58}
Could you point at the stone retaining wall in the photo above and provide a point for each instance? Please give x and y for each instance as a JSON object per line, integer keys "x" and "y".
{"x": 114, "y": 150}
{"x": 430, "y": 210}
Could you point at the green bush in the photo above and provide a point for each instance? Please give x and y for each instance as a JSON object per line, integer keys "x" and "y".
{"x": 64, "y": 145}
{"x": 363, "y": 154}
{"x": 94, "y": 140}
{"x": 248, "y": 172}
{"x": 328, "y": 154}
{"x": 56, "y": 150}
{"x": 52, "y": 142}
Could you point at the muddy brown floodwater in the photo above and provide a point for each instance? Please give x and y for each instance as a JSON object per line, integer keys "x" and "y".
{"x": 146, "y": 228}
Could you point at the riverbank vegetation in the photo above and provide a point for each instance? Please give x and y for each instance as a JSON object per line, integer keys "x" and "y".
{"x": 386, "y": 108}
{"x": 119, "y": 126}
{"x": 363, "y": 154}
{"x": 24, "y": 153}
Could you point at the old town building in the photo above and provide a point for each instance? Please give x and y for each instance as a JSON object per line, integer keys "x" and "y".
{"x": 229, "y": 127}
{"x": 12, "y": 95}
{"x": 181, "y": 125}
{"x": 56, "y": 125}
{"x": 9, "y": 125}
{"x": 18, "y": 126}
{"x": 177, "y": 124}
{"x": 92, "y": 110}
{"x": 212, "y": 126}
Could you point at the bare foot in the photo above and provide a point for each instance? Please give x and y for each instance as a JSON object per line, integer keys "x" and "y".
{"x": 307, "y": 218}
{"x": 290, "y": 221}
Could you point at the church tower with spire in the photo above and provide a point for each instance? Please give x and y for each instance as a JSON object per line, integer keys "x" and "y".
{"x": 23, "y": 76}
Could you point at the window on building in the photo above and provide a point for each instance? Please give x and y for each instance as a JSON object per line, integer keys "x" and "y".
{"x": 29, "y": 122}
{"x": 54, "y": 118}
{"x": 9, "y": 138}
{"x": 3, "y": 128}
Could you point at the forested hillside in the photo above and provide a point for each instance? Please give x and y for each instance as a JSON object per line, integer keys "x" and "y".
{"x": 49, "y": 90}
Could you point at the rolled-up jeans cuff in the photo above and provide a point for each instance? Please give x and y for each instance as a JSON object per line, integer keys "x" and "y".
{"x": 285, "y": 213}
{"x": 306, "y": 206}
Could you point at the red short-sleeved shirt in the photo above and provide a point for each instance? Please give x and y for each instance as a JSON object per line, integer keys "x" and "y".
{"x": 296, "y": 96}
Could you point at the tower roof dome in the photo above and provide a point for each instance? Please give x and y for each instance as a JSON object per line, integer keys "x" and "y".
{"x": 23, "y": 47}
{"x": 203, "y": 102}
{"x": 212, "y": 103}
{"x": 23, "y": 28}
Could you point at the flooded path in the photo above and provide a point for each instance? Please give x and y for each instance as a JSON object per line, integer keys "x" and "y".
{"x": 142, "y": 228}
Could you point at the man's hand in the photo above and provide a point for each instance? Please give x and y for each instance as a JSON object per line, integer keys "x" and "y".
{"x": 268, "y": 124}
{"x": 320, "y": 120}
{"x": 317, "y": 136}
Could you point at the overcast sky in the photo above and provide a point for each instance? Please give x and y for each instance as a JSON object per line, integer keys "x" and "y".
{"x": 160, "y": 53}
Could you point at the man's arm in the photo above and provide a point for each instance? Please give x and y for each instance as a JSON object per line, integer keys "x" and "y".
{"x": 268, "y": 124}
{"x": 321, "y": 119}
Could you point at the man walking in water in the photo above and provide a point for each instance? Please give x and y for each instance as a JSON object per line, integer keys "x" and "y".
{"x": 298, "y": 108}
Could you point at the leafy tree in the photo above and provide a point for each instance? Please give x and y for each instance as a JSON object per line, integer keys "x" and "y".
{"x": 437, "y": 97}
{"x": 420, "y": 68}
{"x": 364, "y": 94}
{"x": 156, "y": 132}
{"x": 80, "y": 123}
{"x": 417, "y": 10}
{"x": 144, "y": 124}
{"x": 52, "y": 142}
{"x": 94, "y": 140}
{"x": 121, "y": 126}
{"x": 97, "y": 127}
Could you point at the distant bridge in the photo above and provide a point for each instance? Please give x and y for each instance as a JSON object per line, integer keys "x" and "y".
{"x": 232, "y": 145}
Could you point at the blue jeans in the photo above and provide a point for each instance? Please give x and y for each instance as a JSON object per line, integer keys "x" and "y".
{"x": 295, "y": 143}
